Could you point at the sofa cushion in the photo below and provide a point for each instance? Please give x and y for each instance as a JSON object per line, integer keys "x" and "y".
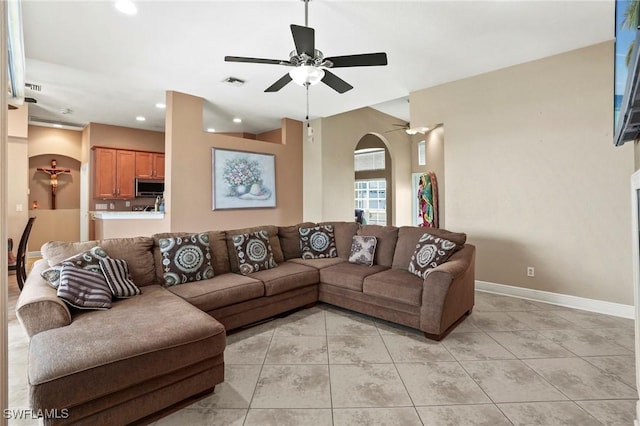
{"x": 271, "y": 230}
{"x": 186, "y": 259}
{"x": 348, "y": 275}
{"x": 343, "y": 233}
{"x": 363, "y": 249}
{"x": 134, "y": 342}
{"x": 254, "y": 252}
{"x": 395, "y": 284}
{"x": 138, "y": 253}
{"x": 318, "y": 263}
{"x": 219, "y": 291}
{"x": 287, "y": 276}
{"x": 317, "y": 242}
{"x": 83, "y": 289}
{"x": 116, "y": 273}
{"x": 57, "y": 251}
{"x": 290, "y": 239}
{"x": 430, "y": 252}
{"x": 88, "y": 260}
{"x": 387, "y": 237}
{"x": 408, "y": 237}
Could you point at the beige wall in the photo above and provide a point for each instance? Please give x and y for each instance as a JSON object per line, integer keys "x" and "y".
{"x": 18, "y": 121}
{"x": 125, "y": 138}
{"x": 17, "y": 194}
{"x": 54, "y": 225}
{"x": 313, "y": 180}
{"x": 54, "y": 142}
{"x": 335, "y": 139}
{"x": 188, "y": 171}
{"x": 17, "y": 169}
{"x": 532, "y": 175}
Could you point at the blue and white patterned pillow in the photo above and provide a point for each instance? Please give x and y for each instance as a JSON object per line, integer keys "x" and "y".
{"x": 363, "y": 249}
{"x": 254, "y": 252}
{"x": 186, "y": 259}
{"x": 430, "y": 252}
{"x": 318, "y": 242}
{"x": 86, "y": 260}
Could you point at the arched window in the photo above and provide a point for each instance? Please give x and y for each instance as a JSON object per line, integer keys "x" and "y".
{"x": 372, "y": 191}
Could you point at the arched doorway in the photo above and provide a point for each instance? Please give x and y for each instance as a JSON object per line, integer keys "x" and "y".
{"x": 373, "y": 191}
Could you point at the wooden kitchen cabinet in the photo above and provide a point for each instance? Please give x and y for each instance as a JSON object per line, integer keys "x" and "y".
{"x": 114, "y": 173}
{"x": 149, "y": 165}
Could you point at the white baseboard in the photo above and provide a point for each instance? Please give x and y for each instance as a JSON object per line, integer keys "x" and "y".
{"x": 592, "y": 305}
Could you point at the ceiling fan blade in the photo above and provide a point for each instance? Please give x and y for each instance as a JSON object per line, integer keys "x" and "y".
{"x": 304, "y": 39}
{"x": 363, "y": 60}
{"x": 335, "y": 82}
{"x": 279, "y": 84}
{"x": 256, "y": 60}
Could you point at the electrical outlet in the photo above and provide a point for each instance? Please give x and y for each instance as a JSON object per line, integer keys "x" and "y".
{"x": 19, "y": 207}
{"x": 531, "y": 272}
{"x": 127, "y": 203}
{"x": 101, "y": 206}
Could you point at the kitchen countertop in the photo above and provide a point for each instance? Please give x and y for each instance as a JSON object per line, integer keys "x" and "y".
{"x": 109, "y": 215}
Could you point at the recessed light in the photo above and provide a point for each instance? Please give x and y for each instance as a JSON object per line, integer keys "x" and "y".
{"x": 57, "y": 126}
{"x": 127, "y": 7}
{"x": 237, "y": 120}
{"x": 160, "y": 105}
{"x": 211, "y": 130}
{"x": 140, "y": 118}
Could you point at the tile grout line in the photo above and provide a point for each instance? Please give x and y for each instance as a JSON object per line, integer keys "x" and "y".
{"x": 393, "y": 361}
{"x": 255, "y": 389}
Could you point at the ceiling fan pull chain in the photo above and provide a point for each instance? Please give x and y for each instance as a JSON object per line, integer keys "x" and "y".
{"x": 307, "y": 118}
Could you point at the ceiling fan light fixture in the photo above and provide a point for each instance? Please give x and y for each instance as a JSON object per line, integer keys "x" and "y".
{"x": 415, "y": 130}
{"x": 306, "y": 75}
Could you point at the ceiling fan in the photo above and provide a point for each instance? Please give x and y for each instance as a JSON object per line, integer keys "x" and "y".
{"x": 408, "y": 129}
{"x": 309, "y": 64}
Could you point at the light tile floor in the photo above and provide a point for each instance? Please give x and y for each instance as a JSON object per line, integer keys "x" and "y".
{"x": 511, "y": 362}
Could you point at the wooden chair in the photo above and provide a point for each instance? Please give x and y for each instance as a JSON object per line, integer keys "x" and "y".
{"x": 21, "y": 263}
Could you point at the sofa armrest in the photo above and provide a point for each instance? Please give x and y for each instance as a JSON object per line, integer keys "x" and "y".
{"x": 38, "y": 307}
{"x": 448, "y": 291}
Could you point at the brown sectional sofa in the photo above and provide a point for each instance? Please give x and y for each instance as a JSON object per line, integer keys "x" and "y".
{"x": 166, "y": 345}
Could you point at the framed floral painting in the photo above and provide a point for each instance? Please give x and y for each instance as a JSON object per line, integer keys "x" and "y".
{"x": 242, "y": 180}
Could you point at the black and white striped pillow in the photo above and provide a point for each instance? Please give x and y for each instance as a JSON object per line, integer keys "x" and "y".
{"x": 116, "y": 272}
{"x": 83, "y": 289}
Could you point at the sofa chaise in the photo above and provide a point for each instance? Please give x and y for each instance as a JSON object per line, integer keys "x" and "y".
{"x": 166, "y": 345}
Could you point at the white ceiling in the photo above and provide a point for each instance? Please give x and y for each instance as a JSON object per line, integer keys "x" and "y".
{"x": 108, "y": 67}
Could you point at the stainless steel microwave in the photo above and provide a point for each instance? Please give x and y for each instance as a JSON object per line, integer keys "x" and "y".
{"x": 149, "y": 188}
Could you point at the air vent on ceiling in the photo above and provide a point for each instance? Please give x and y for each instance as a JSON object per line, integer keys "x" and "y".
{"x": 34, "y": 87}
{"x": 234, "y": 80}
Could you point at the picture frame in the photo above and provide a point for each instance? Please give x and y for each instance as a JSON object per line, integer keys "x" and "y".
{"x": 242, "y": 179}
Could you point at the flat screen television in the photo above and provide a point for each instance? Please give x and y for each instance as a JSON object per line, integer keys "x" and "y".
{"x": 626, "y": 72}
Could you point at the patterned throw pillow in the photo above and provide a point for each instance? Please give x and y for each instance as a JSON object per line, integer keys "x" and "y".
{"x": 186, "y": 259}
{"x": 86, "y": 260}
{"x": 318, "y": 242}
{"x": 83, "y": 289}
{"x": 363, "y": 249}
{"x": 430, "y": 252}
{"x": 254, "y": 252}
{"x": 117, "y": 275}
